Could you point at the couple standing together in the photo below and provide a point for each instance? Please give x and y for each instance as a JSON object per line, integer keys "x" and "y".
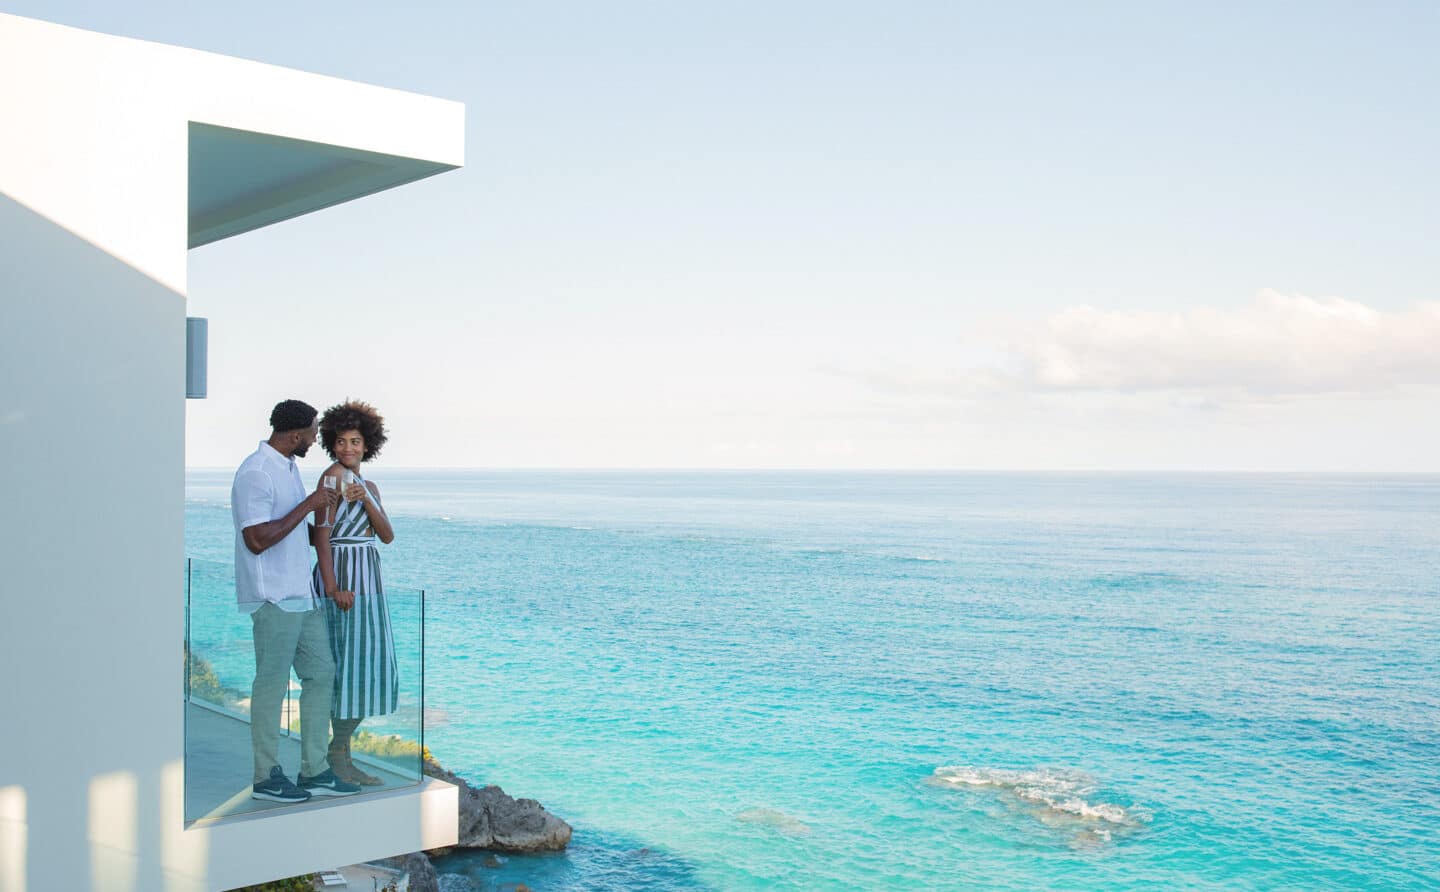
{"x": 329, "y": 621}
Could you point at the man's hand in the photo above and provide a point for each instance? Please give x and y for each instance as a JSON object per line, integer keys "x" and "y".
{"x": 261, "y": 536}
{"x": 343, "y": 600}
{"x": 321, "y": 498}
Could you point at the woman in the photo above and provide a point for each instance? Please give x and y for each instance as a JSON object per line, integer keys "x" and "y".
{"x": 347, "y": 570}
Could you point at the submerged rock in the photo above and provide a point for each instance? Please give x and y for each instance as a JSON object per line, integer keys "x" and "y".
{"x": 1068, "y": 800}
{"x": 491, "y": 819}
{"x": 775, "y": 819}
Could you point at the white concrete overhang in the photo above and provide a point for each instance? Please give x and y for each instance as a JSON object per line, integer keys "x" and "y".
{"x": 242, "y": 180}
{"x": 266, "y": 144}
{"x": 146, "y": 150}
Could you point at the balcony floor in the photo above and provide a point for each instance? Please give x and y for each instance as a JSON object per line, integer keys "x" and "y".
{"x": 218, "y": 764}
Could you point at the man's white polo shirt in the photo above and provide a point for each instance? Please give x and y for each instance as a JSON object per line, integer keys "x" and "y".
{"x": 268, "y": 487}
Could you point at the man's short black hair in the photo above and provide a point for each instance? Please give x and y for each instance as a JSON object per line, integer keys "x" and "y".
{"x": 292, "y": 415}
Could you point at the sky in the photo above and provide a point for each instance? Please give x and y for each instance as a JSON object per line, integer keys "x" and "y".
{"x": 1120, "y": 236}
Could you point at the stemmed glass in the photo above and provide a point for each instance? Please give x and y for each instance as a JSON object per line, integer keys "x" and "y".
{"x": 333, "y": 483}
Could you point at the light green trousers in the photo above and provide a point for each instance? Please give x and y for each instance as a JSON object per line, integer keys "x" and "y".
{"x": 282, "y": 640}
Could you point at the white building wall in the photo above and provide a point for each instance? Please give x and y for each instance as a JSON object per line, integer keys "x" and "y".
{"x": 92, "y": 422}
{"x": 93, "y": 228}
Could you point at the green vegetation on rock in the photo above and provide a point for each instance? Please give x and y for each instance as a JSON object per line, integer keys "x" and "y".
{"x": 388, "y": 746}
{"x": 204, "y": 683}
{"x": 384, "y": 746}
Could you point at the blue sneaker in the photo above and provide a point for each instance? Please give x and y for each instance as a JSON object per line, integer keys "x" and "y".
{"x": 327, "y": 784}
{"x": 278, "y": 789}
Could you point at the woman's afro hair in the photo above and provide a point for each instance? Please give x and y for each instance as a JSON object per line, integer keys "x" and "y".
{"x": 353, "y": 415}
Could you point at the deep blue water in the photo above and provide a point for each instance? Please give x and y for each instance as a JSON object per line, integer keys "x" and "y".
{"x": 878, "y": 680}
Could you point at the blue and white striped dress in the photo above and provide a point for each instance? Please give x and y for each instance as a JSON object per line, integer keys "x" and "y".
{"x": 366, "y": 680}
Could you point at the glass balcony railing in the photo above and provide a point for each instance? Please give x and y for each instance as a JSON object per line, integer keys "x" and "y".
{"x": 220, "y": 671}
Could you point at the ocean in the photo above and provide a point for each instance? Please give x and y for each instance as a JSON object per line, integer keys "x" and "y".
{"x": 852, "y": 680}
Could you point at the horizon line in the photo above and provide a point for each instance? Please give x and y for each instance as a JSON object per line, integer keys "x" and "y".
{"x": 502, "y": 469}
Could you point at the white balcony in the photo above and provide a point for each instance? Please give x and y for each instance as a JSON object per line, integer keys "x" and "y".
{"x": 117, "y": 156}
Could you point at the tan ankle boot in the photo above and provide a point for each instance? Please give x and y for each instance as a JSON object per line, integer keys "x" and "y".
{"x": 353, "y": 774}
{"x": 340, "y": 763}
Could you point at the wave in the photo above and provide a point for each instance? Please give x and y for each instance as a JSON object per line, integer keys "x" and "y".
{"x": 1061, "y": 795}
{"x": 919, "y": 557}
{"x": 454, "y": 882}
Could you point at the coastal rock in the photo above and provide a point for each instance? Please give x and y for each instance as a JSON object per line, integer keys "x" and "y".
{"x": 422, "y": 872}
{"x": 491, "y": 819}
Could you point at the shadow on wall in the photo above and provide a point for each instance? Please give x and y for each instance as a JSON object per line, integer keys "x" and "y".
{"x": 91, "y": 454}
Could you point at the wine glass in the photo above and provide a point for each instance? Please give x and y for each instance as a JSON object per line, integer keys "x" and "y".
{"x": 333, "y": 483}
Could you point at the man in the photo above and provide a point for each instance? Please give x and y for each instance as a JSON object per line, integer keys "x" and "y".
{"x": 272, "y": 584}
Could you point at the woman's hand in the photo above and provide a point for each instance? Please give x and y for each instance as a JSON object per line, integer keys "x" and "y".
{"x": 343, "y": 600}
{"x": 355, "y": 492}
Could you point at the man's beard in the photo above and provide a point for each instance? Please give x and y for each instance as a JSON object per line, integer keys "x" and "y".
{"x": 301, "y": 450}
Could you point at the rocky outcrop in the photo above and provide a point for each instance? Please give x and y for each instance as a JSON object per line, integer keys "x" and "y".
{"x": 422, "y": 872}
{"x": 491, "y": 819}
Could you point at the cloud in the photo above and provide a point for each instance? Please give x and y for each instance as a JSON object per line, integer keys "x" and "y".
{"x": 1278, "y": 347}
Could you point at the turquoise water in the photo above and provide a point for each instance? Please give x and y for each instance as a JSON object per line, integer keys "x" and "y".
{"x": 934, "y": 681}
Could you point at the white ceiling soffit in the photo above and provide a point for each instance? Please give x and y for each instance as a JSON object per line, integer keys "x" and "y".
{"x": 241, "y": 180}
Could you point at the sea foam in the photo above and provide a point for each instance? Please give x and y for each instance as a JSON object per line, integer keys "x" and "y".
{"x": 454, "y": 882}
{"x": 1062, "y": 795}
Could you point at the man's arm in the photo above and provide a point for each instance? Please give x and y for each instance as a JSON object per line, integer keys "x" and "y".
{"x": 263, "y": 535}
